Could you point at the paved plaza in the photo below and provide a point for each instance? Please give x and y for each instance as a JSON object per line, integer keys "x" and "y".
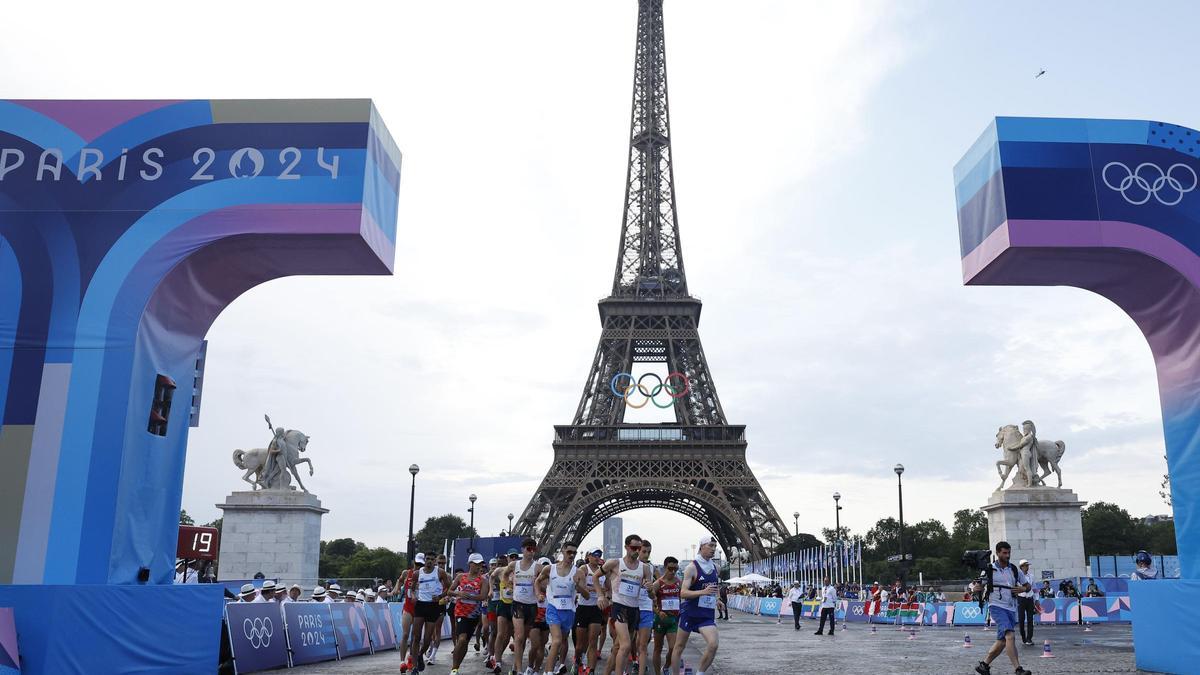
{"x": 752, "y": 645}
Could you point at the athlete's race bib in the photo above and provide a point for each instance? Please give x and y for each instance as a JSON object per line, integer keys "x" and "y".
{"x": 564, "y": 602}
{"x": 629, "y": 588}
{"x": 670, "y": 604}
{"x": 506, "y": 594}
{"x": 708, "y": 601}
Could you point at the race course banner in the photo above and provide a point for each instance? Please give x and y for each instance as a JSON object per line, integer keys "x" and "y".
{"x": 396, "y": 610}
{"x": 969, "y": 614}
{"x": 379, "y": 625}
{"x": 855, "y": 611}
{"x": 310, "y": 632}
{"x": 256, "y": 636}
{"x": 350, "y": 625}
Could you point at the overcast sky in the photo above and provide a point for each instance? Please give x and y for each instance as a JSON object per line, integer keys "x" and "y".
{"x": 813, "y": 150}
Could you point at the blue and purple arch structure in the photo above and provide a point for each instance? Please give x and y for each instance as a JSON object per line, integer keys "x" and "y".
{"x": 1111, "y": 206}
{"x": 125, "y": 228}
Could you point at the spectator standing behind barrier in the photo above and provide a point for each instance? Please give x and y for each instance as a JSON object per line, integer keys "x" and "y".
{"x": 1093, "y": 591}
{"x": 1046, "y": 591}
{"x": 829, "y": 598}
{"x": 723, "y": 602}
{"x": 1026, "y": 607}
{"x": 1003, "y": 581}
{"x": 796, "y": 597}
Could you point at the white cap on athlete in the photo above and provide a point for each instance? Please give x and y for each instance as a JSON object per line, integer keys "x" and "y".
{"x": 475, "y": 558}
{"x": 707, "y": 539}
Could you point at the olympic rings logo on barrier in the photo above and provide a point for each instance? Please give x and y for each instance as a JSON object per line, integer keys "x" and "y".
{"x": 857, "y": 610}
{"x": 258, "y": 632}
{"x": 1133, "y": 180}
{"x": 650, "y": 394}
{"x": 970, "y": 612}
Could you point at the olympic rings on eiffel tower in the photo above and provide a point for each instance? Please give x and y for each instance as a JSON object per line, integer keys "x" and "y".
{"x": 649, "y": 394}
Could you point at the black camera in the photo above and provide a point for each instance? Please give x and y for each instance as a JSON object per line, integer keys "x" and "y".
{"x": 978, "y": 560}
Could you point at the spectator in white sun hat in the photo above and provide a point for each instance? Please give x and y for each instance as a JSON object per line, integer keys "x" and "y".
{"x": 335, "y": 592}
{"x": 249, "y": 593}
{"x": 318, "y": 594}
{"x": 267, "y": 593}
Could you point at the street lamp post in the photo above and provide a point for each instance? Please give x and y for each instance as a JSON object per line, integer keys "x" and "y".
{"x": 510, "y": 517}
{"x": 412, "y": 502}
{"x": 796, "y": 517}
{"x": 899, "y": 469}
{"x": 471, "y": 548}
{"x": 837, "y": 517}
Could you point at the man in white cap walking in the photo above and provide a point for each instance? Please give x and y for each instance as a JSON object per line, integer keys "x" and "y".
{"x": 1026, "y": 607}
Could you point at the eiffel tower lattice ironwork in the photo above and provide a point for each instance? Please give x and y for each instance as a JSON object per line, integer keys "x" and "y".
{"x": 602, "y": 465}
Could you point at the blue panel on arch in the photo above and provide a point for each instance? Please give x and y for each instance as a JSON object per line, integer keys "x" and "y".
{"x": 142, "y": 629}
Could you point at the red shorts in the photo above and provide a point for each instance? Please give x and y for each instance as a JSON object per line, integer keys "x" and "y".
{"x": 409, "y": 605}
{"x": 541, "y": 615}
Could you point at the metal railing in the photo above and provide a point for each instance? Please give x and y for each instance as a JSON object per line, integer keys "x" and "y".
{"x": 638, "y": 434}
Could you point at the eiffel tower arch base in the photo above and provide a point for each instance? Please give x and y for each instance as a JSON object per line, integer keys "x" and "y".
{"x": 713, "y": 486}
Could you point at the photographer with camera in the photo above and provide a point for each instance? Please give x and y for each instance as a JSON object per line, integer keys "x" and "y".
{"x": 1004, "y": 581}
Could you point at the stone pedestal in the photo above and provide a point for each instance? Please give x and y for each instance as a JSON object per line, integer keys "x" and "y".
{"x": 276, "y": 532}
{"x": 1043, "y": 525}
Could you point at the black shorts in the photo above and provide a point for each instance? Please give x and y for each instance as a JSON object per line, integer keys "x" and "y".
{"x": 504, "y": 610}
{"x": 466, "y": 625}
{"x": 429, "y": 611}
{"x": 524, "y": 612}
{"x": 630, "y": 616}
{"x": 587, "y": 615}
{"x": 542, "y": 626}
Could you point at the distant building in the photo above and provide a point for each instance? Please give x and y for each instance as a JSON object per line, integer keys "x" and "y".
{"x": 614, "y": 538}
{"x": 1150, "y": 520}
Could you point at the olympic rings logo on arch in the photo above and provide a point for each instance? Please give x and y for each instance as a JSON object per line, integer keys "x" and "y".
{"x": 258, "y": 632}
{"x": 676, "y": 386}
{"x": 1148, "y": 180}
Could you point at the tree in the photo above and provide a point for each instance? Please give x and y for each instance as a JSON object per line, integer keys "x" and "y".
{"x": 1159, "y": 538}
{"x": 797, "y": 543}
{"x": 184, "y": 518}
{"x": 375, "y": 563}
{"x": 438, "y": 529}
{"x": 1109, "y": 529}
{"x": 342, "y": 548}
{"x": 970, "y": 530}
{"x": 217, "y": 524}
{"x": 829, "y": 535}
{"x": 1165, "y": 492}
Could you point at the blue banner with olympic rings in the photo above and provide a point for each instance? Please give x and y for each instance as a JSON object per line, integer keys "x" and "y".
{"x": 256, "y": 635}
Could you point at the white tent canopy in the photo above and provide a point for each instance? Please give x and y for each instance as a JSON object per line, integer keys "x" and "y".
{"x": 751, "y": 579}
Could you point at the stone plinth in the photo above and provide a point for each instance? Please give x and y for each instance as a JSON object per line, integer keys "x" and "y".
{"x": 1043, "y": 525}
{"x": 276, "y": 532}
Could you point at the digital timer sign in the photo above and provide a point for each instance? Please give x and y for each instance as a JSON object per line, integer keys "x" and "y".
{"x": 197, "y": 543}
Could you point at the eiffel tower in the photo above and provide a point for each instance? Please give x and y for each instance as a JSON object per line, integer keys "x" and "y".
{"x": 697, "y": 466}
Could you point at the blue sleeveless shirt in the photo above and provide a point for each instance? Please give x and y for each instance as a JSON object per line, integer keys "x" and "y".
{"x": 692, "y": 607}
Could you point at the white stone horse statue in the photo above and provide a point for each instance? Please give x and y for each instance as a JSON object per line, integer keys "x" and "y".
{"x": 276, "y": 476}
{"x": 1027, "y": 457}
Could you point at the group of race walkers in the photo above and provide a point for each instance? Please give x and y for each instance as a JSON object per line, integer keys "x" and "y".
{"x": 523, "y": 601}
